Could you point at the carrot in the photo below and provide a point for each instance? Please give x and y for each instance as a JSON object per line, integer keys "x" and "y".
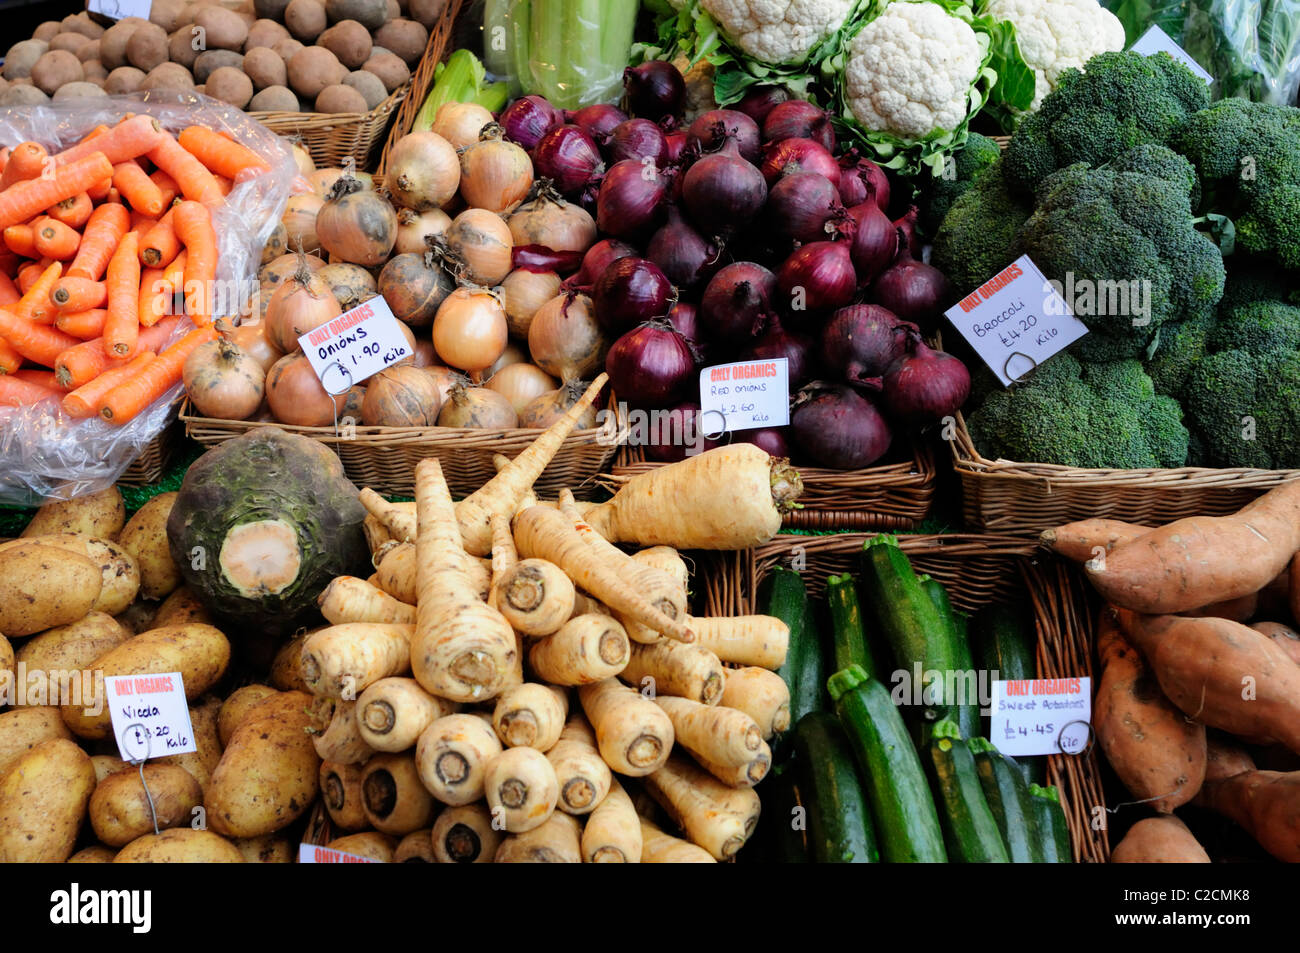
{"x": 104, "y": 231}
{"x": 9, "y": 292}
{"x": 1264, "y": 804}
{"x": 521, "y": 790}
{"x": 26, "y": 161}
{"x": 762, "y": 695}
{"x": 534, "y": 596}
{"x": 583, "y": 775}
{"x": 140, "y": 191}
{"x": 132, "y": 137}
{"x": 393, "y": 712}
{"x": 30, "y": 272}
{"x": 220, "y": 155}
{"x": 35, "y": 304}
{"x": 71, "y": 294}
{"x": 465, "y": 835}
{"x": 133, "y": 396}
{"x": 676, "y": 668}
{"x": 86, "y": 324}
{"x": 349, "y": 599}
{"x": 86, "y": 399}
{"x": 633, "y": 734}
{"x": 191, "y": 176}
{"x": 100, "y": 190}
{"x": 224, "y": 184}
{"x": 530, "y": 715}
{"x": 166, "y": 185}
{"x": 55, "y": 240}
{"x": 343, "y": 659}
{"x": 659, "y": 847}
{"x": 502, "y": 493}
{"x": 21, "y": 240}
{"x": 35, "y": 342}
{"x": 16, "y": 392}
{"x": 122, "y": 327}
{"x": 74, "y": 212}
{"x": 156, "y": 294}
{"x": 193, "y": 224}
{"x": 81, "y": 364}
{"x": 4, "y": 157}
{"x": 22, "y": 200}
{"x": 452, "y": 755}
{"x": 10, "y": 360}
{"x": 38, "y": 376}
{"x": 159, "y": 245}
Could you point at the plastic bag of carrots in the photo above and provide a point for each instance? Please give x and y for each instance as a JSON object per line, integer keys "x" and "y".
{"x": 128, "y": 225}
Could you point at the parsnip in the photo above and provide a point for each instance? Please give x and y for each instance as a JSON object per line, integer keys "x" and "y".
{"x": 465, "y": 835}
{"x": 762, "y": 695}
{"x": 393, "y": 713}
{"x": 340, "y": 661}
{"x": 716, "y": 817}
{"x": 744, "y": 640}
{"x": 378, "y": 847}
{"x": 612, "y": 834}
{"x": 340, "y": 788}
{"x": 675, "y": 668}
{"x": 535, "y": 596}
{"x": 582, "y": 774}
{"x": 553, "y": 842}
{"x": 666, "y": 559}
{"x": 349, "y": 599}
{"x": 376, "y": 534}
{"x": 585, "y": 650}
{"x": 399, "y": 522}
{"x": 335, "y": 733}
{"x": 725, "y": 736}
{"x": 504, "y": 555}
{"x": 521, "y": 789}
{"x": 416, "y": 848}
{"x": 395, "y": 570}
{"x": 633, "y": 734}
{"x": 661, "y": 848}
{"x": 395, "y": 800}
{"x": 451, "y": 756}
{"x": 738, "y": 775}
{"x": 530, "y": 715}
{"x": 583, "y": 604}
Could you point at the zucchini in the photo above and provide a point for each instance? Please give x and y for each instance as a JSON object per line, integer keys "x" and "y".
{"x": 786, "y": 841}
{"x": 803, "y": 671}
{"x": 965, "y": 683}
{"x": 1053, "y": 832}
{"x": 850, "y": 644}
{"x": 970, "y": 830}
{"x": 1004, "y": 642}
{"x": 1007, "y": 795}
{"x": 906, "y": 823}
{"x": 839, "y": 820}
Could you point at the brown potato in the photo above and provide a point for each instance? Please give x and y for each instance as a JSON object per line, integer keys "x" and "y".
{"x": 312, "y": 69}
{"x": 112, "y": 45}
{"x": 181, "y": 48}
{"x": 95, "y": 72}
{"x": 124, "y": 79}
{"x": 340, "y": 99}
{"x": 108, "y": 764}
{"x": 67, "y": 648}
{"x": 371, "y": 14}
{"x": 56, "y": 68}
{"x": 370, "y": 86}
{"x": 286, "y": 669}
{"x": 83, "y": 24}
{"x": 201, "y": 762}
{"x": 230, "y": 85}
{"x": 210, "y": 61}
{"x": 72, "y": 43}
{"x": 167, "y": 14}
{"x": 236, "y": 708}
{"x": 43, "y": 799}
{"x": 275, "y": 99}
{"x": 180, "y": 607}
{"x": 404, "y": 37}
{"x": 120, "y": 577}
{"x": 286, "y": 48}
{"x": 90, "y": 52}
{"x": 145, "y": 538}
{"x": 426, "y": 12}
{"x": 264, "y": 33}
{"x": 349, "y": 41}
{"x": 180, "y": 845}
{"x": 22, "y": 56}
{"x": 23, "y": 729}
{"x": 168, "y": 76}
{"x": 372, "y": 844}
{"x": 305, "y": 19}
{"x": 270, "y": 9}
{"x": 390, "y": 69}
{"x": 93, "y": 855}
{"x": 23, "y": 95}
{"x": 47, "y": 30}
{"x": 222, "y": 29}
{"x": 147, "y": 46}
{"x": 101, "y": 514}
{"x": 43, "y": 586}
{"x": 267, "y": 849}
{"x": 265, "y": 68}
{"x": 119, "y": 807}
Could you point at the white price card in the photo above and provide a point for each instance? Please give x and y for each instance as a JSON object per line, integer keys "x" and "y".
{"x": 744, "y": 396}
{"x": 151, "y": 718}
{"x": 357, "y": 344}
{"x": 121, "y": 9}
{"x": 1156, "y": 40}
{"x": 313, "y": 854}
{"x": 1035, "y": 716}
{"x": 1016, "y": 320}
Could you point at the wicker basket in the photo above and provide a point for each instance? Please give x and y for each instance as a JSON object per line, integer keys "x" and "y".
{"x": 149, "y": 467}
{"x": 384, "y": 458}
{"x": 333, "y": 138}
{"x": 976, "y": 570}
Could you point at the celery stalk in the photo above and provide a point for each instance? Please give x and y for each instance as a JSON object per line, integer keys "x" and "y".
{"x": 459, "y": 80}
{"x": 577, "y": 49}
{"x": 494, "y": 96}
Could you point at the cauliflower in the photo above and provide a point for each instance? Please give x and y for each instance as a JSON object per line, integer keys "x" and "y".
{"x": 699, "y": 86}
{"x": 910, "y": 70}
{"x": 778, "y": 32}
{"x": 1055, "y": 35}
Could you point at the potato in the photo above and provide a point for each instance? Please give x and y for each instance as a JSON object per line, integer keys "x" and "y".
{"x": 147, "y": 46}
{"x": 28, "y": 95}
{"x": 286, "y": 48}
{"x": 47, "y": 30}
{"x": 56, "y": 68}
{"x": 265, "y": 33}
{"x": 268, "y": 849}
{"x": 180, "y": 607}
{"x": 371, "y": 14}
{"x": 230, "y": 85}
{"x": 312, "y": 69}
{"x": 236, "y": 708}
{"x": 90, "y": 52}
{"x": 286, "y": 669}
{"x": 305, "y": 19}
{"x": 180, "y": 845}
{"x": 426, "y": 12}
{"x": 43, "y": 799}
{"x": 72, "y": 43}
{"x": 269, "y": 775}
{"x": 371, "y": 844}
{"x": 119, "y": 575}
{"x": 370, "y": 86}
{"x": 390, "y": 69}
{"x": 222, "y": 29}
{"x": 275, "y": 99}
{"x": 199, "y": 652}
{"x": 265, "y": 68}
{"x": 108, "y": 764}
{"x": 6, "y": 660}
{"x": 168, "y": 14}
{"x": 119, "y": 807}
{"x": 340, "y": 99}
{"x": 124, "y": 79}
{"x": 22, "y": 56}
{"x": 83, "y": 24}
{"x": 68, "y": 648}
{"x": 93, "y": 855}
{"x": 168, "y": 76}
{"x": 349, "y": 41}
{"x": 406, "y": 38}
{"x": 201, "y": 762}
{"x": 210, "y": 61}
{"x": 180, "y": 47}
{"x": 23, "y": 729}
{"x": 138, "y": 616}
{"x": 95, "y": 72}
{"x": 101, "y": 514}
{"x": 112, "y": 45}
{"x": 41, "y": 587}
{"x": 145, "y": 538}
{"x": 270, "y": 9}
{"x": 394, "y": 9}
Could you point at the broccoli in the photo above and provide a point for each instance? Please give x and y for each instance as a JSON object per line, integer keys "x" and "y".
{"x": 1257, "y": 327}
{"x": 1248, "y": 157}
{"x": 974, "y": 242}
{"x": 1253, "y": 281}
{"x": 1092, "y": 415}
{"x": 937, "y": 193}
{"x": 1179, "y": 345}
{"x": 1246, "y": 408}
{"x": 1121, "y": 100}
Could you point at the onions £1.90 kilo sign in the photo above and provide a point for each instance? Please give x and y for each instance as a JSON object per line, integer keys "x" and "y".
{"x": 357, "y": 344}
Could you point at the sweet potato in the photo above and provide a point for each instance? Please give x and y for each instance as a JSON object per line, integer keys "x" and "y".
{"x": 1087, "y": 539}
{"x": 1223, "y": 761}
{"x": 1293, "y": 588}
{"x": 1266, "y": 804}
{"x": 1285, "y": 636}
{"x": 1159, "y": 840}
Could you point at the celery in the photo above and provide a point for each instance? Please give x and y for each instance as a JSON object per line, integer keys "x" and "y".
{"x": 577, "y": 50}
{"x": 459, "y": 80}
{"x": 497, "y": 34}
{"x": 494, "y": 97}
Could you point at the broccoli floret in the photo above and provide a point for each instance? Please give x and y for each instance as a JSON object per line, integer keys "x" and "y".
{"x": 974, "y": 242}
{"x": 1246, "y": 408}
{"x": 1163, "y": 163}
{"x": 1120, "y": 380}
{"x": 1258, "y": 327}
{"x": 937, "y": 193}
{"x": 1119, "y": 101}
{"x": 1252, "y": 281}
{"x": 1248, "y": 157}
{"x": 1179, "y": 346}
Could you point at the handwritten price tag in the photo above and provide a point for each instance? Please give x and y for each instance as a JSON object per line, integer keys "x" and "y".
{"x": 1041, "y": 716}
{"x": 745, "y": 396}
{"x": 121, "y": 9}
{"x": 312, "y": 854}
{"x": 357, "y": 344}
{"x": 150, "y": 715}
{"x": 1156, "y": 40}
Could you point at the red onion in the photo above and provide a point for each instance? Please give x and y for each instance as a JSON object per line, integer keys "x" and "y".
{"x": 597, "y": 260}
{"x": 722, "y": 191}
{"x": 539, "y": 258}
{"x": 711, "y": 129}
{"x": 798, "y": 155}
{"x": 818, "y": 276}
{"x": 683, "y": 254}
{"x": 654, "y": 89}
{"x": 685, "y": 319}
{"x": 910, "y": 233}
{"x": 631, "y": 291}
{"x": 777, "y": 342}
{"x": 801, "y": 206}
{"x": 837, "y": 427}
{"x": 860, "y": 180}
{"x": 860, "y": 342}
{"x": 911, "y": 289}
{"x": 874, "y": 242}
{"x": 569, "y": 158}
{"x": 798, "y": 119}
{"x": 923, "y": 386}
{"x": 737, "y": 302}
{"x": 674, "y": 433}
{"x": 597, "y": 121}
{"x": 674, "y": 145}
{"x": 771, "y": 439}
{"x": 529, "y": 118}
{"x": 761, "y": 100}
{"x": 631, "y": 200}
{"x": 651, "y": 364}
{"x": 638, "y": 139}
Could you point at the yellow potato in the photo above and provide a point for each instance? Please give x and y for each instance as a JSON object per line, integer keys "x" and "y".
{"x": 203, "y": 761}
{"x": 236, "y": 708}
{"x": 180, "y": 607}
{"x": 49, "y": 659}
{"x": 42, "y": 586}
{"x": 120, "y": 577}
{"x": 371, "y": 844}
{"x": 138, "y": 616}
{"x": 6, "y": 658}
{"x": 145, "y": 538}
{"x": 101, "y": 514}
{"x": 180, "y": 845}
{"x": 93, "y": 855}
{"x": 119, "y": 808}
{"x": 265, "y": 850}
{"x": 107, "y": 764}
{"x": 286, "y": 669}
{"x": 199, "y": 652}
{"x": 269, "y": 775}
{"x": 43, "y": 800}
{"x": 23, "y": 729}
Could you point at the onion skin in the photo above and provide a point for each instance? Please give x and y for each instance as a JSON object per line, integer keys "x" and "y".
{"x": 564, "y": 338}
{"x": 862, "y": 180}
{"x": 789, "y": 156}
{"x": 400, "y": 397}
{"x": 759, "y": 102}
{"x": 299, "y": 220}
{"x": 523, "y": 292}
{"x": 494, "y": 174}
{"x": 223, "y": 380}
{"x": 528, "y": 119}
{"x": 684, "y": 255}
{"x": 359, "y": 227}
{"x": 521, "y": 384}
{"x": 570, "y": 158}
{"x": 461, "y": 123}
{"x": 638, "y": 140}
{"x": 862, "y": 341}
{"x": 711, "y": 129}
{"x": 737, "y": 301}
{"x": 824, "y": 272}
{"x": 597, "y": 120}
{"x": 550, "y": 407}
{"x": 770, "y": 439}
{"x": 874, "y": 241}
{"x": 651, "y": 365}
{"x": 296, "y": 396}
{"x": 477, "y": 408}
{"x": 723, "y": 192}
{"x": 655, "y": 89}
{"x": 598, "y": 258}
{"x": 631, "y": 204}
{"x": 553, "y": 223}
{"x": 913, "y": 290}
{"x": 252, "y": 340}
{"x": 415, "y": 228}
{"x": 301, "y": 304}
{"x": 685, "y": 319}
{"x": 423, "y": 171}
{"x": 802, "y": 205}
{"x": 906, "y": 223}
{"x": 798, "y": 119}
{"x": 541, "y": 260}
{"x": 631, "y": 291}
{"x": 674, "y": 433}
{"x": 836, "y": 427}
{"x": 924, "y": 386}
{"x": 776, "y": 342}
{"x": 470, "y": 330}
{"x": 675, "y": 145}
{"x": 481, "y": 242}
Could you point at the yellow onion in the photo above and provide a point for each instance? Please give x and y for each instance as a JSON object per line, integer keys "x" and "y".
{"x": 522, "y": 293}
{"x": 521, "y": 384}
{"x": 414, "y": 229}
{"x": 469, "y": 330}
{"x": 479, "y": 244}
{"x": 302, "y": 303}
{"x": 494, "y": 174}
{"x": 299, "y": 221}
{"x": 423, "y": 171}
{"x": 548, "y": 220}
{"x": 461, "y": 123}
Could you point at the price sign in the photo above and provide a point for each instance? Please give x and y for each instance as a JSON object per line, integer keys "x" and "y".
{"x": 357, "y": 344}
{"x": 312, "y": 854}
{"x": 150, "y": 715}
{"x": 1016, "y": 320}
{"x": 1041, "y": 716}
{"x": 121, "y": 9}
{"x": 1156, "y": 40}
{"x": 745, "y": 396}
